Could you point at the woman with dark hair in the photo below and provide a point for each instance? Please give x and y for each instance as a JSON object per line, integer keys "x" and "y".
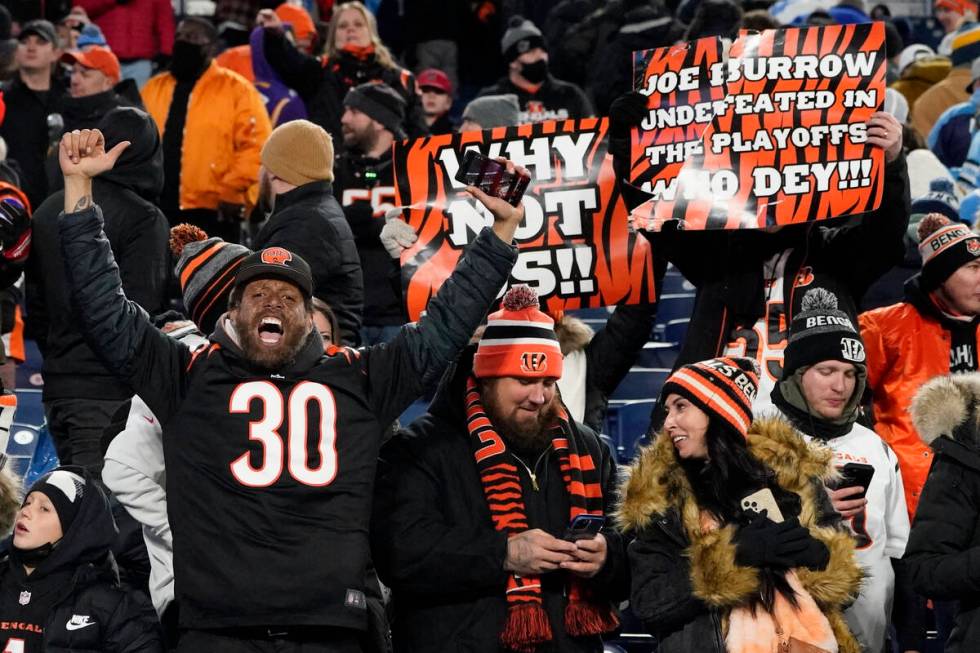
{"x": 325, "y": 321}
{"x": 710, "y": 575}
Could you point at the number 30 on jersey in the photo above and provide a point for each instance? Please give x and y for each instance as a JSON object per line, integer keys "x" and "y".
{"x": 292, "y": 451}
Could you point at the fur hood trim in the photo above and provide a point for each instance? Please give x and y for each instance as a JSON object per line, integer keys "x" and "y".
{"x": 656, "y": 483}
{"x": 10, "y": 500}
{"x": 946, "y": 403}
{"x": 573, "y": 334}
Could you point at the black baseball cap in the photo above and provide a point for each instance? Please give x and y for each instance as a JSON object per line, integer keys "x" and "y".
{"x": 41, "y": 28}
{"x": 276, "y": 262}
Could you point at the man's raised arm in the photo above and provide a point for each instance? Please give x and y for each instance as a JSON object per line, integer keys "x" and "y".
{"x": 421, "y": 352}
{"x": 118, "y": 330}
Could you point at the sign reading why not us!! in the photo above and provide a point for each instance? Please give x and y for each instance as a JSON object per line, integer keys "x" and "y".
{"x": 775, "y": 133}
{"x": 576, "y": 247}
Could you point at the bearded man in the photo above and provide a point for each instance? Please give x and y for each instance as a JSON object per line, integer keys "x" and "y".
{"x": 270, "y": 445}
{"x": 474, "y": 499}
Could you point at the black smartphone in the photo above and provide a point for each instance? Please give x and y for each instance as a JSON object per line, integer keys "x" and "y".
{"x": 855, "y": 475}
{"x": 584, "y": 527}
{"x": 491, "y": 176}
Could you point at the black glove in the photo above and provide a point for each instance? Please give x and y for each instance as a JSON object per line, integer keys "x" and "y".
{"x": 15, "y": 225}
{"x": 764, "y": 543}
{"x": 627, "y": 111}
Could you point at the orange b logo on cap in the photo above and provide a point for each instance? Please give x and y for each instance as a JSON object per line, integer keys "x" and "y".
{"x": 276, "y": 256}
{"x": 534, "y": 362}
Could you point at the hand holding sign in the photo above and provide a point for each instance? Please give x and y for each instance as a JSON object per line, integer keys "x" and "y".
{"x": 885, "y": 131}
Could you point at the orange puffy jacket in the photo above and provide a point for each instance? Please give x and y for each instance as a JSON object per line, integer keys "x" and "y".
{"x": 226, "y": 127}
{"x": 905, "y": 349}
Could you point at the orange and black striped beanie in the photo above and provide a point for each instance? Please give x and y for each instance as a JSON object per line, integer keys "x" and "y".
{"x": 722, "y": 387}
{"x": 519, "y": 340}
{"x": 206, "y": 269}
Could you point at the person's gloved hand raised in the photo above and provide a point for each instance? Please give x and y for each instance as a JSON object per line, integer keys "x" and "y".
{"x": 396, "y": 236}
{"x": 764, "y": 543}
{"x": 627, "y": 111}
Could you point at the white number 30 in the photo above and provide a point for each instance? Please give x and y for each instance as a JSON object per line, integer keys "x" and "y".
{"x": 292, "y": 453}
{"x": 14, "y": 645}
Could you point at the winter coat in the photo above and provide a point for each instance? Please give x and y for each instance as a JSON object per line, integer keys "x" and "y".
{"x": 25, "y": 130}
{"x": 941, "y": 96}
{"x": 136, "y": 29}
{"x": 323, "y": 83}
{"x": 949, "y": 138}
{"x": 435, "y": 545}
{"x": 138, "y": 235}
{"x": 554, "y": 100}
{"x": 685, "y": 581}
{"x": 303, "y": 511}
{"x": 226, "y": 127}
{"x": 83, "y": 574}
{"x": 906, "y": 344}
{"x": 945, "y": 540}
{"x": 920, "y": 76}
{"x": 308, "y": 221}
{"x": 727, "y": 269}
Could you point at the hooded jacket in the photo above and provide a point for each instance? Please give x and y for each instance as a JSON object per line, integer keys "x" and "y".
{"x": 435, "y": 545}
{"x": 939, "y": 97}
{"x": 906, "y": 344}
{"x": 684, "y": 581}
{"x": 138, "y": 235}
{"x": 920, "y": 76}
{"x": 308, "y": 221}
{"x": 943, "y": 554}
{"x": 81, "y": 575}
{"x": 272, "y": 530}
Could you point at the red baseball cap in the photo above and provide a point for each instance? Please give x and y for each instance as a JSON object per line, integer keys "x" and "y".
{"x": 435, "y": 78}
{"x": 96, "y": 57}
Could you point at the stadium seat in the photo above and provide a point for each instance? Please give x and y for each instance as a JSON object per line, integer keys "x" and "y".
{"x": 675, "y": 330}
{"x": 657, "y": 354}
{"x": 626, "y": 423}
{"x": 675, "y": 307}
{"x": 641, "y": 383}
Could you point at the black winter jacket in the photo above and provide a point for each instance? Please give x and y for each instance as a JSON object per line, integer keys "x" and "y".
{"x": 289, "y": 543}
{"x": 555, "y": 100}
{"x": 943, "y": 553}
{"x": 308, "y": 221}
{"x": 435, "y": 545}
{"x": 25, "y": 129}
{"x": 138, "y": 233}
{"x": 78, "y": 585}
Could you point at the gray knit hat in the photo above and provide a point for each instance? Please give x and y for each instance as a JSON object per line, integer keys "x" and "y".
{"x": 493, "y": 111}
{"x": 381, "y": 102}
{"x": 206, "y": 269}
{"x": 521, "y": 36}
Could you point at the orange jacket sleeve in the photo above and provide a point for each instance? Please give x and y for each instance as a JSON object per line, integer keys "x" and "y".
{"x": 250, "y": 131}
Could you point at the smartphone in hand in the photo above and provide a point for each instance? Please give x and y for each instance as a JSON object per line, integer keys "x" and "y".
{"x": 491, "y": 176}
{"x": 584, "y": 527}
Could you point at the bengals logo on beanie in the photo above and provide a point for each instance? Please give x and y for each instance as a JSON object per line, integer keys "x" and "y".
{"x": 722, "y": 387}
{"x": 519, "y": 340}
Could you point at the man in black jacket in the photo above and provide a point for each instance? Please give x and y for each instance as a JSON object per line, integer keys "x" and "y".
{"x": 270, "y": 445}
{"x": 541, "y": 96}
{"x": 31, "y": 97}
{"x": 295, "y": 179}
{"x": 80, "y": 394}
{"x": 475, "y": 499}
{"x": 365, "y": 187}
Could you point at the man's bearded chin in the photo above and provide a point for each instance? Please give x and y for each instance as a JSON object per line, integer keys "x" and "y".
{"x": 271, "y": 358}
{"x": 527, "y": 435}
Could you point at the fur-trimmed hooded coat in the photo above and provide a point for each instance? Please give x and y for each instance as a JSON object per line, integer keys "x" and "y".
{"x": 685, "y": 581}
{"x": 943, "y": 554}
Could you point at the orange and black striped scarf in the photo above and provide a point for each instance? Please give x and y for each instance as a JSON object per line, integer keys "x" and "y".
{"x": 527, "y": 622}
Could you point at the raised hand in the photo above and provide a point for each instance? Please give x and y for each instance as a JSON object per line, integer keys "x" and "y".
{"x": 82, "y": 153}
{"x": 885, "y": 131}
{"x": 506, "y": 218}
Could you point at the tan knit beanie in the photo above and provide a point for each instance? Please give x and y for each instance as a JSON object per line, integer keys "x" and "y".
{"x": 299, "y": 152}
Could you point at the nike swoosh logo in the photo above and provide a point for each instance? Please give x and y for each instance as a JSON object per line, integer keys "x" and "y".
{"x": 73, "y": 626}
{"x": 149, "y": 419}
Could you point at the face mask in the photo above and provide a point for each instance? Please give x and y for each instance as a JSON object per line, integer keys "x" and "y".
{"x": 32, "y": 557}
{"x": 188, "y": 61}
{"x": 535, "y": 72}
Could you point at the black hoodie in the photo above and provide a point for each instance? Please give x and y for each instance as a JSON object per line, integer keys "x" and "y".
{"x": 72, "y": 599}
{"x": 138, "y": 233}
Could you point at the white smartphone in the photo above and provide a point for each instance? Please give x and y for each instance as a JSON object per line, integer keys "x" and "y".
{"x": 763, "y": 500}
